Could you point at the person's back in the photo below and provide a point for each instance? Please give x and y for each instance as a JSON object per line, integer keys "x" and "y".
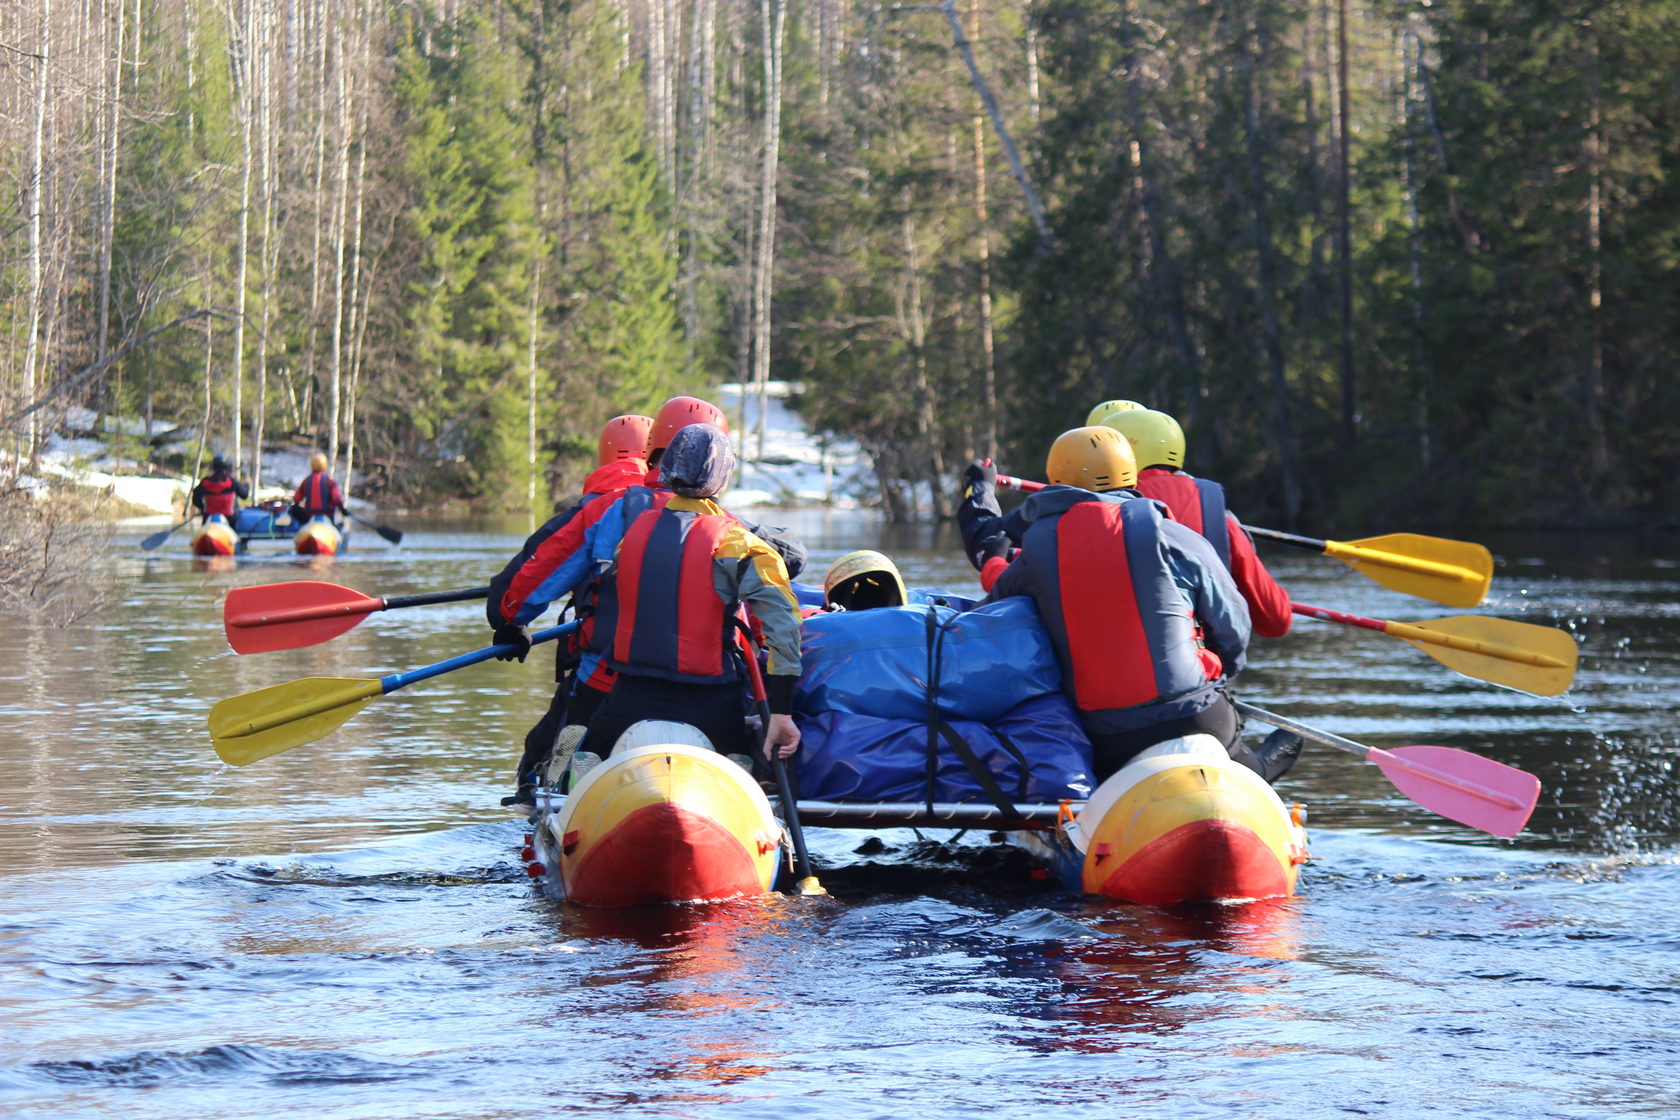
{"x": 1198, "y": 503}
{"x": 1129, "y": 598}
{"x": 220, "y": 492}
{"x": 683, "y": 570}
{"x": 318, "y": 495}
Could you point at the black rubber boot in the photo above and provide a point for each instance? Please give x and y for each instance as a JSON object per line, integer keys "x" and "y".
{"x": 1277, "y": 753}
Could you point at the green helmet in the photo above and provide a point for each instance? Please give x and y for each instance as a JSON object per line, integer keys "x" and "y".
{"x": 1156, "y": 438}
{"x": 1103, "y": 411}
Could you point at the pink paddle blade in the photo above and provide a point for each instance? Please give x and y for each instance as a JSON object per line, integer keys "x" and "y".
{"x": 292, "y": 615}
{"x": 1462, "y": 787}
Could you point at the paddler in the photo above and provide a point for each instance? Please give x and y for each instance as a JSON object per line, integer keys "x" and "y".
{"x": 219, "y": 492}
{"x": 1146, "y": 622}
{"x": 683, "y": 571}
{"x": 317, "y": 495}
{"x": 579, "y": 554}
{"x": 621, "y": 452}
{"x": 1158, "y": 445}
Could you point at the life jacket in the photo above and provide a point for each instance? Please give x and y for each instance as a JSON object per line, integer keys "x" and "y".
{"x": 1121, "y": 626}
{"x": 670, "y": 622}
{"x": 1195, "y": 502}
{"x": 219, "y": 496}
{"x": 318, "y": 494}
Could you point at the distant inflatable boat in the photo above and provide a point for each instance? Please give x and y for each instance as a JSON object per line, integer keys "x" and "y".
{"x": 215, "y": 537}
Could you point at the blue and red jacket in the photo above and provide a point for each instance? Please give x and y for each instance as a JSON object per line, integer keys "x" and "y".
{"x": 671, "y": 623}
{"x": 318, "y": 494}
{"x": 1127, "y": 596}
{"x": 219, "y": 493}
{"x": 1200, "y": 504}
{"x": 609, "y": 481}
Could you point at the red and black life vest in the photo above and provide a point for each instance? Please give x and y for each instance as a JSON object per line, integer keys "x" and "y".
{"x": 1195, "y": 502}
{"x": 219, "y": 496}
{"x": 318, "y": 494}
{"x": 670, "y": 621}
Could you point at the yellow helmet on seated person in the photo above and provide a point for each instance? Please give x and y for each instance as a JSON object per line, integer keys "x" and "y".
{"x": 864, "y": 579}
{"x": 317, "y": 462}
{"x": 1107, "y": 408}
{"x": 1156, "y": 438}
{"x": 1094, "y": 457}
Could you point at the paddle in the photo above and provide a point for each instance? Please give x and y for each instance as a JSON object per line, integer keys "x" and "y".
{"x": 255, "y": 725}
{"x": 156, "y": 539}
{"x": 784, "y": 789}
{"x": 1534, "y": 659}
{"x": 1452, "y": 573}
{"x": 393, "y": 535}
{"x": 307, "y": 612}
{"x": 1455, "y": 784}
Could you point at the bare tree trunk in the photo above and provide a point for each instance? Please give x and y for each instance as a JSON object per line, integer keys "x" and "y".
{"x": 930, "y": 458}
{"x": 239, "y": 48}
{"x": 32, "y": 350}
{"x": 1411, "y": 48}
{"x": 988, "y": 356}
{"x": 357, "y": 299}
{"x": 1344, "y": 224}
{"x": 533, "y": 323}
{"x": 1271, "y": 326}
{"x": 1034, "y": 206}
{"x": 774, "y": 20}
{"x": 265, "y": 187}
{"x": 339, "y": 220}
{"x": 1598, "y": 446}
{"x": 108, "y": 207}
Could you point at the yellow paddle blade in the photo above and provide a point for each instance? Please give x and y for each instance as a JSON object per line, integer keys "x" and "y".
{"x": 1519, "y": 655}
{"x": 258, "y": 724}
{"x": 1454, "y": 573}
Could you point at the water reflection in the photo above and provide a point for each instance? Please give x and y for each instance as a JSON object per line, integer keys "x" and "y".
{"x": 696, "y": 972}
{"x": 1159, "y": 970}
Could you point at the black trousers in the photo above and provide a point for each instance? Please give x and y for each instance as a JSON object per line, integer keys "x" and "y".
{"x": 719, "y": 710}
{"x": 569, "y": 705}
{"x": 1109, "y": 752}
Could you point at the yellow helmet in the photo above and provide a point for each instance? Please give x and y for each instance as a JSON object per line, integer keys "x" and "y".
{"x": 317, "y": 462}
{"x": 864, "y": 579}
{"x": 1155, "y": 437}
{"x": 1093, "y": 457}
{"x": 1107, "y": 408}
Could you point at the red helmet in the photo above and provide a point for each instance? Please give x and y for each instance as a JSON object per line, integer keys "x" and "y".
{"x": 623, "y": 437}
{"x": 678, "y": 413}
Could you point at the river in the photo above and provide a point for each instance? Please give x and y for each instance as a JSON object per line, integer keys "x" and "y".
{"x": 343, "y": 930}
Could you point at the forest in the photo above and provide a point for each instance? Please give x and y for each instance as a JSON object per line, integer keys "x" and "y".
{"x": 1415, "y": 260}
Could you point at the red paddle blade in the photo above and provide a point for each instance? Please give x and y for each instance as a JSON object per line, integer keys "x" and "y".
{"x": 1462, "y": 787}
{"x": 292, "y": 615}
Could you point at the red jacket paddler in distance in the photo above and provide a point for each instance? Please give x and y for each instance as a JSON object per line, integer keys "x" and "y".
{"x": 1200, "y": 504}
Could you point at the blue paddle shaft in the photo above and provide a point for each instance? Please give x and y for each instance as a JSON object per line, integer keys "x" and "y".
{"x": 427, "y": 672}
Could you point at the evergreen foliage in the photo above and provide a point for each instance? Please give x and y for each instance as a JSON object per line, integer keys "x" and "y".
{"x": 444, "y": 197}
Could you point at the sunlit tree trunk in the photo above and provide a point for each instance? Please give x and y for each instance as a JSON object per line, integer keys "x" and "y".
{"x": 774, "y": 20}
{"x": 33, "y": 217}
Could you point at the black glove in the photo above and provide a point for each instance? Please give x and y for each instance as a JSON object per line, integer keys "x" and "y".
{"x": 980, "y": 473}
{"x": 995, "y": 545}
{"x": 516, "y": 636}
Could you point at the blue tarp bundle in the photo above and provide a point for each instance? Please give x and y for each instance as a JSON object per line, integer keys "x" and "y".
{"x": 877, "y": 663}
{"x": 253, "y": 521}
{"x": 850, "y": 757}
{"x": 864, "y": 710}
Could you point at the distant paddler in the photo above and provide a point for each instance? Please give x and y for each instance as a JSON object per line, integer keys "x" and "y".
{"x": 216, "y": 498}
{"x": 315, "y": 509}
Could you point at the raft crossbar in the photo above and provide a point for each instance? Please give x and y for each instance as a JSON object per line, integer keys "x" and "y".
{"x": 941, "y": 814}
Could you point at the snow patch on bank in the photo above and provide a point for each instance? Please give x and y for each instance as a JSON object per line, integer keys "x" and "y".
{"x": 793, "y": 468}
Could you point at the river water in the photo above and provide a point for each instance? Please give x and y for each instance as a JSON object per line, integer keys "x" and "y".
{"x": 344, "y": 931}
